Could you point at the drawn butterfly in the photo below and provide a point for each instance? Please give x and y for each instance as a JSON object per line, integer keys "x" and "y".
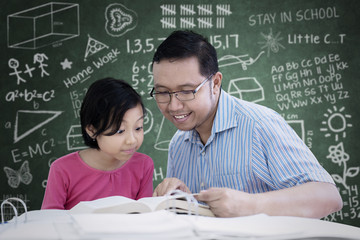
{"x": 22, "y": 175}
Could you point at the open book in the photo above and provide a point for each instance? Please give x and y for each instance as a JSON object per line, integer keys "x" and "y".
{"x": 120, "y": 204}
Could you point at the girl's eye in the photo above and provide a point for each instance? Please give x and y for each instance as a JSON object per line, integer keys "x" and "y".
{"x": 120, "y": 131}
{"x": 139, "y": 128}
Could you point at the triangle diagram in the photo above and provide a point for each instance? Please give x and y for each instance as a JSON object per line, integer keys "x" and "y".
{"x": 93, "y": 46}
{"x": 33, "y": 120}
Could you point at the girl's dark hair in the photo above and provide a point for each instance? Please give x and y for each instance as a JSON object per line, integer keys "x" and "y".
{"x": 183, "y": 44}
{"x": 104, "y": 107}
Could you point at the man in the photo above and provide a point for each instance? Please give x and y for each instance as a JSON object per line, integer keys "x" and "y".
{"x": 241, "y": 157}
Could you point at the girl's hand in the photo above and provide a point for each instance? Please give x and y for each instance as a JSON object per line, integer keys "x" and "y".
{"x": 169, "y": 184}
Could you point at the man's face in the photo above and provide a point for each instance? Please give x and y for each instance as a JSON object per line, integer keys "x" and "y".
{"x": 183, "y": 74}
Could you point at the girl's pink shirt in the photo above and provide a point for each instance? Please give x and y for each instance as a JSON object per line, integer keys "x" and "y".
{"x": 71, "y": 180}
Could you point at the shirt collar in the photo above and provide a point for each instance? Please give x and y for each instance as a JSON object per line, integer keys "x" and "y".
{"x": 225, "y": 118}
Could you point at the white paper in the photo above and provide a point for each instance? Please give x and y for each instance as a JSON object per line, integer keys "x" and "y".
{"x": 146, "y": 224}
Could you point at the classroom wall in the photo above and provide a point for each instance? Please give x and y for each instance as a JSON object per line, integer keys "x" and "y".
{"x": 299, "y": 58}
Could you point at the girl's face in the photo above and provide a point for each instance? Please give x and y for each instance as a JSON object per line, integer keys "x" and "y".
{"x": 123, "y": 144}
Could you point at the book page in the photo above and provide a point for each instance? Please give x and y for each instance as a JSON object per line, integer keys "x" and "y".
{"x": 120, "y": 204}
{"x": 108, "y": 201}
{"x": 131, "y": 207}
{"x": 181, "y": 205}
{"x": 153, "y": 202}
{"x": 113, "y": 204}
{"x": 164, "y": 202}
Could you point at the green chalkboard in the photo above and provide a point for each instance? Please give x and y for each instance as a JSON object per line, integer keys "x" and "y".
{"x": 299, "y": 58}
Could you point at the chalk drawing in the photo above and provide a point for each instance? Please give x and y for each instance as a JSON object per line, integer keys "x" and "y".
{"x": 186, "y": 9}
{"x": 336, "y": 122}
{"x": 204, "y": 22}
{"x": 243, "y": 60}
{"x": 298, "y": 126}
{"x": 66, "y": 64}
{"x": 74, "y": 138}
{"x": 22, "y": 116}
{"x": 272, "y": 43}
{"x": 163, "y": 137}
{"x": 223, "y": 9}
{"x": 45, "y": 25}
{"x": 148, "y": 121}
{"x": 16, "y": 176}
{"x": 29, "y": 70}
{"x": 187, "y": 22}
{"x": 93, "y": 46}
{"x": 247, "y": 88}
{"x": 168, "y": 9}
{"x": 8, "y": 211}
{"x": 40, "y": 58}
{"x": 204, "y": 9}
{"x": 14, "y": 64}
{"x": 204, "y": 19}
{"x": 338, "y": 156}
{"x": 119, "y": 20}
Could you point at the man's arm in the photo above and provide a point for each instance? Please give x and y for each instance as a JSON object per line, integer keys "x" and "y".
{"x": 169, "y": 184}
{"x": 312, "y": 199}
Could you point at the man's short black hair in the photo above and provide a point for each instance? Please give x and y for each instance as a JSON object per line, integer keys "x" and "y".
{"x": 183, "y": 44}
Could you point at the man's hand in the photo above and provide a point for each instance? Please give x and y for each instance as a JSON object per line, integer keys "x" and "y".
{"x": 169, "y": 184}
{"x": 225, "y": 202}
{"x": 312, "y": 199}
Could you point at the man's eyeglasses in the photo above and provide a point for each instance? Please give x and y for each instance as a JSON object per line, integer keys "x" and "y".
{"x": 184, "y": 95}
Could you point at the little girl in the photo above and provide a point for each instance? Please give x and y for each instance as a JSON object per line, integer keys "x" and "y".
{"x": 112, "y": 116}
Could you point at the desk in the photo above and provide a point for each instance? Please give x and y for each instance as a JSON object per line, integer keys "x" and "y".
{"x": 60, "y": 224}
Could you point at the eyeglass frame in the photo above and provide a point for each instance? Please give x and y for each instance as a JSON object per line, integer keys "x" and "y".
{"x": 171, "y": 93}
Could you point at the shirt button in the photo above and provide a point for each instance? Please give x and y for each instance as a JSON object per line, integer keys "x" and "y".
{"x": 203, "y": 153}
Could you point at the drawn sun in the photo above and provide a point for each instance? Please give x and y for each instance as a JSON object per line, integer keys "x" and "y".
{"x": 272, "y": 43}
{"x": 336, "y": 123}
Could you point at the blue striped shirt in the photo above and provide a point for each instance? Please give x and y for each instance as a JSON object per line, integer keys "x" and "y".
{"x": 251, "y": 148}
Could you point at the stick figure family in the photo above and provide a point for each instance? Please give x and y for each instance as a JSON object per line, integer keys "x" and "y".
{"x": 39, "y": 58}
